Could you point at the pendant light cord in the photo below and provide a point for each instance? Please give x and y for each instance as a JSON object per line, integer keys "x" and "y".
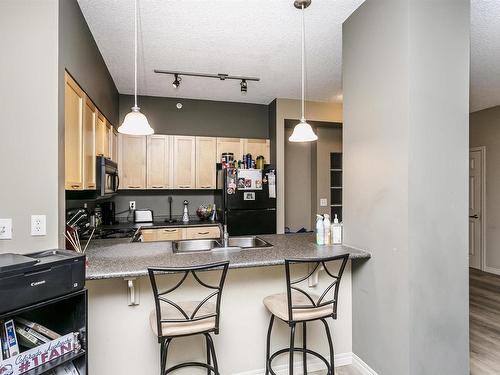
{"x": 303, "y": 62}
{"x": 135, "y": 55}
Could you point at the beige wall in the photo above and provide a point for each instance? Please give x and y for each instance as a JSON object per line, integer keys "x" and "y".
{"x": 484, "y": 130}
{"x": 29, "y": 130}
{"x": 290, "y": 109}
{"x": 122, "y": 341}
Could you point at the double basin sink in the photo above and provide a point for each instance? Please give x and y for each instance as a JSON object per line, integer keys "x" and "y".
{"x": 234, "y": 243}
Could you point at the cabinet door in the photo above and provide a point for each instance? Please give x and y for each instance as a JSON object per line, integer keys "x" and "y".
{"x": 108, "y": 139}
{"x": 89, "y": 121}
{"x": 233, "y": 145}
{"x": 114, "y": 146}
{"x": 73, "y": 134}
{"x": 100, "y": 134}
{"x": 184, "y": 162}
{"x": 257, "y": 147}
{"x": 132, "y": 161}
{"x": 206, "y": 160}
{"x": 159, "y": 162}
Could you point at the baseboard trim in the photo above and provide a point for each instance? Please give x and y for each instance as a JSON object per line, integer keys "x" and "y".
{"x": 362, "y": 366}
{"x": 493, "y": 270}
{"x": 341, "y": 359}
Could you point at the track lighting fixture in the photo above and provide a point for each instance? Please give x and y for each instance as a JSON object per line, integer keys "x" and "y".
{"x": 219, "y": 76}
{"x": 177, "y": 81}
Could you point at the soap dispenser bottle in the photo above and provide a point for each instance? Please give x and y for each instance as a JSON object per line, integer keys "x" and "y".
{"x": 320, "y": 230}
{"x": 336, "y": 231}
{"x": 327, "y": 228}
{"x": 185, "y": 214}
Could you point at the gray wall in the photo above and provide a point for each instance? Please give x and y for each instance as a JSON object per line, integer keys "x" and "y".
{"x": 28, "y": 129}
{"x": 79, "y": 54}
{"x": 272, "y": 129}
{"x": 201, "y": 117}
{"x": 405, "y": 77}
{"x": 485, "y": 131}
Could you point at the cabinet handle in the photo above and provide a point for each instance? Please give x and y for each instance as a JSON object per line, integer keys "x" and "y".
{"x": 133, "y": 187}
{"x": 170, "y": 230}
{"x": 75, "y": 186}
{"x": 206, "y": 187}
{"x": 184, "y": 186}
{"x": 203, "y": 232}
{"x": 157, "y": 186}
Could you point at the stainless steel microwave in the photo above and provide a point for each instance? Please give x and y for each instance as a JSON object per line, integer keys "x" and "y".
{"x": 107, "y": 180}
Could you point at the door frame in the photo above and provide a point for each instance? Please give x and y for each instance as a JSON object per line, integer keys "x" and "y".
{"x": 483, "y": 266}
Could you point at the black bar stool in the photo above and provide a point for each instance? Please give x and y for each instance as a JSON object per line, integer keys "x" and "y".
{"x": 170, "y": 319}
{"x": 298, "y": 306}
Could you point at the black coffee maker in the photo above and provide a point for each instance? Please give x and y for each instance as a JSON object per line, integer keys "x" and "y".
{"x": 108, "y": 213}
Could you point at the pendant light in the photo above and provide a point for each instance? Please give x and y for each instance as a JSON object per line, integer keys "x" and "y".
{"x": 303, "y": 132}
{"x": 135, "y": 123}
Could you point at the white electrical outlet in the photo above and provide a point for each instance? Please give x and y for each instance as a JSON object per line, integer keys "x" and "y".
{"x": 323, "y": 202}
{"x": 131, "y": 205}
{"x": 38, "y": 225}
{"x": 5, "y": 229}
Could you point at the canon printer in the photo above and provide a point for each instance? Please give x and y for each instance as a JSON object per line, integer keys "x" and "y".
{"x": 30, "y": 278}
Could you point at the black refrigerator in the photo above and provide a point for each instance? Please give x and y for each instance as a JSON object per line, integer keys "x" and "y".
{"x": 246, "y": 200}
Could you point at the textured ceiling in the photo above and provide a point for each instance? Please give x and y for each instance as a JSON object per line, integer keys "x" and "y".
{"x": 485, "y": 54}
{"x": 254, "y": 38}
{"x": 259, "y": 38}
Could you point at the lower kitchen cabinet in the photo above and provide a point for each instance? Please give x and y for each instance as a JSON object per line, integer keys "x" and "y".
{"x": 175, "y": 234}
{"x": 132, "y": 161}
{"x": 184, "y": 162}
{"x": 206, "y": 160}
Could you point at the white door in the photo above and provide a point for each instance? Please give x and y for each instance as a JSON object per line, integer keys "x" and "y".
{"x": 475, "y": 206}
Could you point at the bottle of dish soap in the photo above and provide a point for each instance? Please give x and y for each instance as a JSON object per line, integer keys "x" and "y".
{"x": 336, "y": 231}
{"x": 320, "y": 230}
{"x": 327, "y": 228}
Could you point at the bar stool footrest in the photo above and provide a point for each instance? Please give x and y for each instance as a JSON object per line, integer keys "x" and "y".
{"x": 191, "y": 364}
{"x": 301, "y": 350}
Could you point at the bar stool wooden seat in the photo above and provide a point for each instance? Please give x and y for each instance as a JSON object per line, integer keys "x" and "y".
{"x": 171, "y": 319}
{"x": 297, "y": 306}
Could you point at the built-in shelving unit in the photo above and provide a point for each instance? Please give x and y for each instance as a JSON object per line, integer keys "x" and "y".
{"x": 336, "y": 184}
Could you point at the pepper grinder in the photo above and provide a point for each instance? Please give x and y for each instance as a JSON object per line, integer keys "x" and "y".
{"x": 185, "y": 215}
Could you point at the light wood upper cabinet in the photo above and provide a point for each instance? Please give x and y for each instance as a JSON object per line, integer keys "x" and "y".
{"x": 132, "y": 161}
{"x": 100, "y": 134}
{"x": 108, "y": 140}
{"x": 159, "y": 162}
{"x": 257, "y": 147}
{"x": 73, "y": 134}
{"x": 234, "y": 145}
{"x": 206, "y": 159}
{"x": 89, "y": 162}
{"x": 114, "y": 145}
{"x": 184, "y": 162}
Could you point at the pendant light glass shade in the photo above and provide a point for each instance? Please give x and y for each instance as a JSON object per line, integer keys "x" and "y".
{"x": 303, "y": 132}
{"x": 135, "y": 123}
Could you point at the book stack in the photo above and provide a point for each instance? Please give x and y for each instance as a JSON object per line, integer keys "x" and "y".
{"x": 20, "y": 333}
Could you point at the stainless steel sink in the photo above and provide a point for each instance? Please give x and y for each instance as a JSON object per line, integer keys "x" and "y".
{"x": 194, "y": 245}
{"x": 247, "y": 242}
{"x": 235, "y": 244}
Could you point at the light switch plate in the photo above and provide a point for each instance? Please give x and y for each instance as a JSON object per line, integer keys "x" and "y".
{"x": 323, "y": 202}
{"x": 5, "y": 229}
{"x": 38, "y": 225}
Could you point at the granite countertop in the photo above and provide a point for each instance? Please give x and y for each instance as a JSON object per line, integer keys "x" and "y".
{"x": 116, "y": 258}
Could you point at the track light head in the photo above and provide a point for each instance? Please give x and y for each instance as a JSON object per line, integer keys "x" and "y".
{"x": 244, "y": 87}
{"x": 177, "y": 81}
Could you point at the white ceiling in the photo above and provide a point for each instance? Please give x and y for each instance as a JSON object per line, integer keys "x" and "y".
{"x": 255, "y": 38}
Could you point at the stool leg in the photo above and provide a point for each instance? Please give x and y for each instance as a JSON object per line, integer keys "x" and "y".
{"x": 214, "y": 356}
{"x": 304, "y": 345}
{"x": 208, "y": 354}
{"x": 330, "y": 344}
{"x": 292, "y": 345}
{"x": 165, "y": 343}
{"x": 268, "y": 345}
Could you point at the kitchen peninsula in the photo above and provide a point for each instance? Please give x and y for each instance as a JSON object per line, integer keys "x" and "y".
{"x": 254, "y": 273}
